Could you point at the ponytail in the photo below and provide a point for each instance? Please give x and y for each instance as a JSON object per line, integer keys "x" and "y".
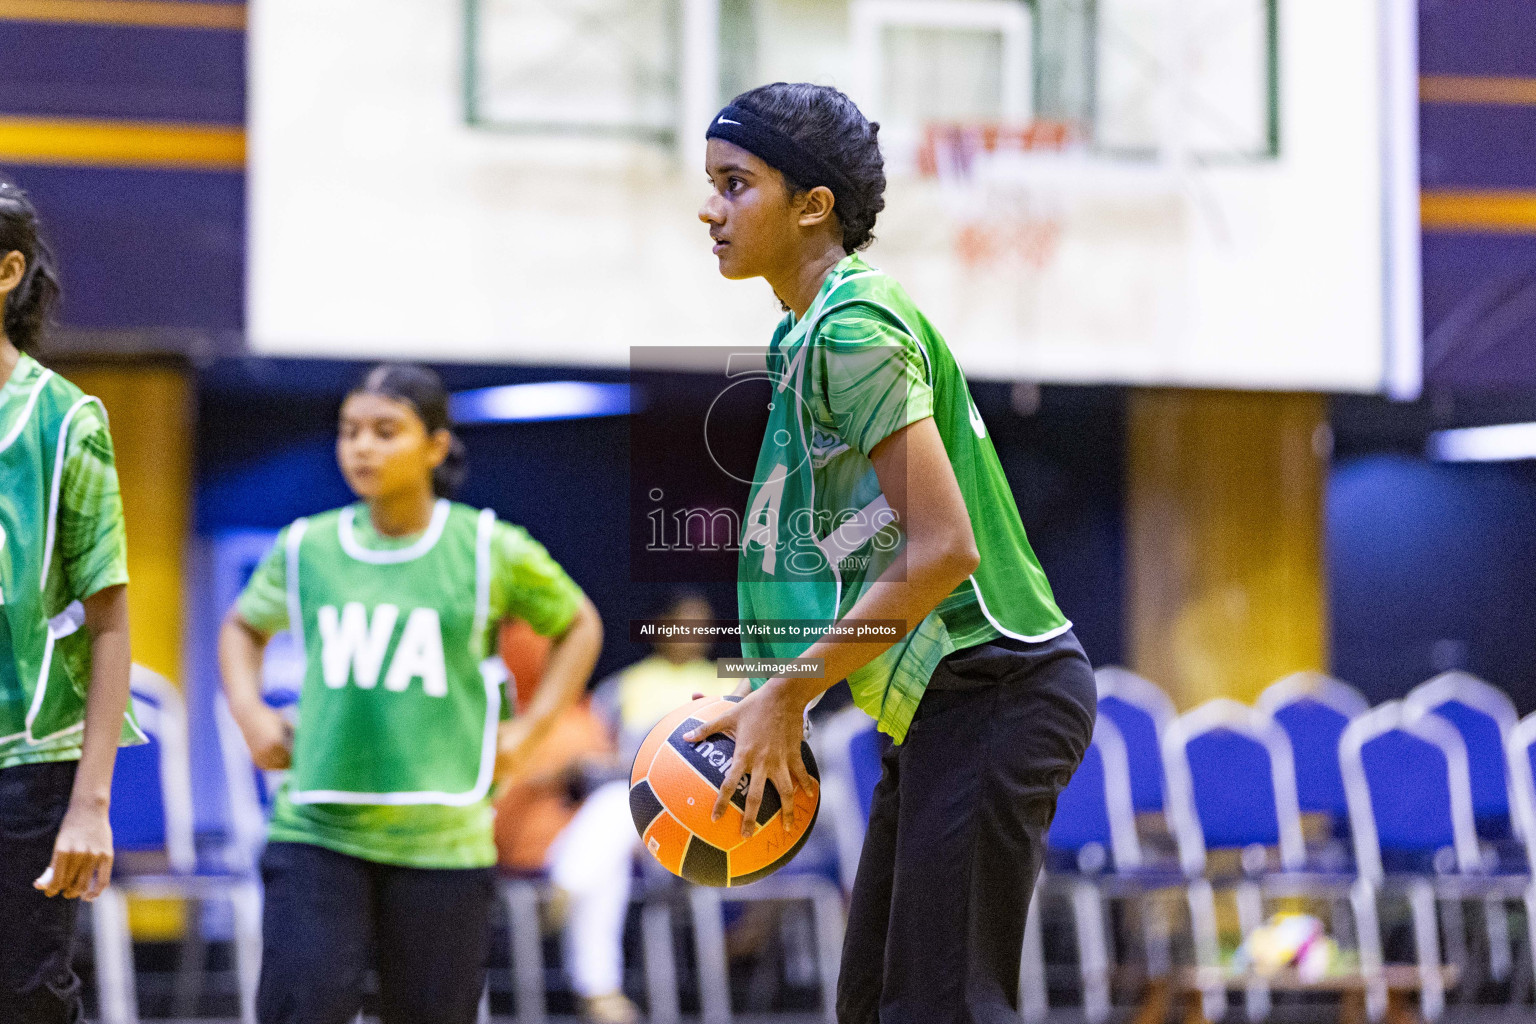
{"x": 449, "y": 476}
{"x": 422, "y": 390}
{"x": 30, "y": 304}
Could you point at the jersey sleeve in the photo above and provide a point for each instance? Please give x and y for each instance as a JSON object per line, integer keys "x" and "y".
{"x": 264, "y": 601}
{"x": 873, "y": 376}
{"x": 527, "y": 583}
{"x": 93, "y": 541}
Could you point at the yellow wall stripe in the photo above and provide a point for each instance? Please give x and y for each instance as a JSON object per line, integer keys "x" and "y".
{"x": 152, "y": 13}
{"x": 1495, "y": 210}
{"x": 1517, "y": 92}
{"x": 35, "y": 140}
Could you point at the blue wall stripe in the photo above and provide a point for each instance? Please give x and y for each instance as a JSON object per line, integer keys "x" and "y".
{"x": 1497, "y": 352}
{"x": 144, "y": 249}
{"x": 1477, "y": 37}
{"x": 1477, "y": 146}
{"x": 127, "y": 72}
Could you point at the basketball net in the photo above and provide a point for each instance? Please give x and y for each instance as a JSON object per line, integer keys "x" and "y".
{"x": 1002, "y": 218}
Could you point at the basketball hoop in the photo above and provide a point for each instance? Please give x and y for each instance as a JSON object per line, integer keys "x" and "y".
{"x": 1001, "y": 218}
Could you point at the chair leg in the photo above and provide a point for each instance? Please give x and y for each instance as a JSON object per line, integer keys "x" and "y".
{"x": 113, "y": 945}
{"x": 1362, "y": 897}
{"x": 660, "y": 963}
{"x": 522, "y": 899}
{"x": 192, "y": 963}
{"x": 709, "y": 949}
{"x": 1092, "y": 950}
{"x": 1155, "y": 934}
{"x": 1032, "y": 993}
{"x": 1501, "y": 956}
{"x": 1202, "y": 922}
{"x": 1250, "y": 918}
{"x": 1453, "y": 928}
{"x": 827, "y": 913}
{"x": 1426, "y": 937}
{"x": 245, "y": 901}
{"x": 1530, "y": 922}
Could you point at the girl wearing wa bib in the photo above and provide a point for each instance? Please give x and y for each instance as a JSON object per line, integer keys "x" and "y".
{"x": 381, "y": 837}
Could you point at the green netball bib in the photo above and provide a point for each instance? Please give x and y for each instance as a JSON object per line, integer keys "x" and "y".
{"x": 395, "y": 709}
{"x": 45, "y": 650}
{"x": 818, "y": 530}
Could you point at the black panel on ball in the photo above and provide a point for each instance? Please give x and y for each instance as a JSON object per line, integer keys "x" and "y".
{"x": 643, "y": 805}
{"x": 705, "y": 864}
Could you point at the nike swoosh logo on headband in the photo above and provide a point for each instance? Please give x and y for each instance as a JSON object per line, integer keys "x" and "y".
{"x": 726, "y": 121}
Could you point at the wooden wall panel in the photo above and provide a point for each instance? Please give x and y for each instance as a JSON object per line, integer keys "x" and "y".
{"x": 1224, "y": 520}
{"x": 151, "y": 409}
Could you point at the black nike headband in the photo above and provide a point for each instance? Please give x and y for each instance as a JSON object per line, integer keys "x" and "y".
{"x": 741, "y": 127}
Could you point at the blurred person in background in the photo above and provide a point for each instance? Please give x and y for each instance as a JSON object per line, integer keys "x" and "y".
{"x": 381, "y": 838}
{"x": 591, "y": 861}
{"x": 64, "y": 653}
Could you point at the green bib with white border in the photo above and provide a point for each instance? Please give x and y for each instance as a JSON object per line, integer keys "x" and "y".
{"x": 819, "y": 532}
{"x": 44, "y": 647}
{"x": 395, "y": 708}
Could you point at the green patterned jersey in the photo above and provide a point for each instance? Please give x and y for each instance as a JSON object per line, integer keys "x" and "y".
{"x": 863, "y": 364}
{"x": 61, "y": 541}
{"x": 397, "y": 719}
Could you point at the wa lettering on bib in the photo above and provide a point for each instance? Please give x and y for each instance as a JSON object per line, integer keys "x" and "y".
{"x": 395, "y": 708}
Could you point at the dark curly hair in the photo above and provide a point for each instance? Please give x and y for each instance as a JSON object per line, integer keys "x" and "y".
{"x": 422, "y": 389}
{"x": 830, "y": 125}
{"x": 28, "y": 306}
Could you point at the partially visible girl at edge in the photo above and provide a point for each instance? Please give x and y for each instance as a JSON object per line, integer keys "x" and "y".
{"x": 381, "y": 839}
{"x": 878, "y": 495}
{"x": 64, "y": 656}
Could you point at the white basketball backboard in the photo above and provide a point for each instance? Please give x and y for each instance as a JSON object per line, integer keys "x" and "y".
{"x": 1184, "y": 192}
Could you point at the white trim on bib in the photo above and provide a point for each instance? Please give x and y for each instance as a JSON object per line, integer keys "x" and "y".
{"x": 26, "y": 414}
{"x": 426, "y": 542}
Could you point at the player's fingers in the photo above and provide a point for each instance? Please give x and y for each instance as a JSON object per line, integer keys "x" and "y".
{"x": 725, "y": 723}
{"x": 84, "y": 875}
{"x": 100, "y": 878}
{"x": 733, "y": 774}
{"x": 85, "y": 864}
{"x": 803, "y": 779}
{"x": 66, "y": 872}
{"x": 757, "y": 780}
{"x": 784, "y": 782}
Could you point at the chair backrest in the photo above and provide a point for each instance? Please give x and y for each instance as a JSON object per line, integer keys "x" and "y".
{"x": 1096, "y": 806}
{"x": 1521, "y": 752}
{"x": 1485, "y": 716}
{"x": 1313, "y": 709}
{"x": 1231, "y": 784}
{"x": 1141, "y": 711}
{"x": 151, "y": 808}
{"x": 1409, "y": 788}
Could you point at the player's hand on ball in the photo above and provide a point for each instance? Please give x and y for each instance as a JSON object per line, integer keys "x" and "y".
{"x": 82, "y": 856}
{"x": 269, "y": 736}
{"x": 768, "y": 727}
